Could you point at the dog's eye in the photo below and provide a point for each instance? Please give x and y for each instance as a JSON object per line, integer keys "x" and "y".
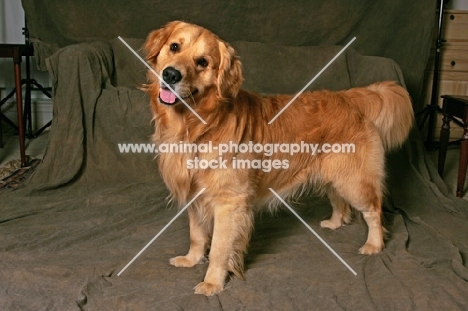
{"x": 174, "y": 47}
{"x": 202, "y": 62}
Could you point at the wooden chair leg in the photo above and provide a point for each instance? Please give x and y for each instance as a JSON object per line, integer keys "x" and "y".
{"x": 19, "y": 105}
{"x": 463, "y": 163}
{"x": 1, "y": 133}
{"x": 444, "y": 138}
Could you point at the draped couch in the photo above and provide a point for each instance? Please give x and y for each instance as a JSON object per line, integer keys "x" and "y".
{"x": 90, "y": 207}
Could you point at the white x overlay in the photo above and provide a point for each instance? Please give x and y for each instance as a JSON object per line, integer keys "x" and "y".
{"x": 203, "y": 121}
{"x": 160, "y": 79}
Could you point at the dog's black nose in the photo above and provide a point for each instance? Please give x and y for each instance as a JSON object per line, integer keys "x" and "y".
{"x": 171, "y": 75}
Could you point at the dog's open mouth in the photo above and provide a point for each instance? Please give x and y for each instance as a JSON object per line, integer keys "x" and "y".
{"x": 167, "y": 97}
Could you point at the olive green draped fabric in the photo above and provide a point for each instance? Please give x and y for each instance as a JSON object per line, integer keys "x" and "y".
{"x": 89, "y": 207}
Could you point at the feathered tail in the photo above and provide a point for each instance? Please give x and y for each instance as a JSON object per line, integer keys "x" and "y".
{"x": 389, "y": 107}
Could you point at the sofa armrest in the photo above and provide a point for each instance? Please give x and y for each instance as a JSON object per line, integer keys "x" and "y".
{"x": 365, "y": 70}
{"x": 81, "y": 69}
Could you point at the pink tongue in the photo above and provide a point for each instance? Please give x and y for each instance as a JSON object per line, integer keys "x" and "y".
{"x": 167, "y": 96}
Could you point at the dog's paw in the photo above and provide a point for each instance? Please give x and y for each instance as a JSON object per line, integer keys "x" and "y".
{"x": 330, "y": 224}
{"x": 370, "y": 249}
{"x": 208, "y": 289}
{"x": 183, "y": 261}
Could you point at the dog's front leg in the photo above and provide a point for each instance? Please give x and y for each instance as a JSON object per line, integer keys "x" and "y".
{"x": 233, "y": 224}
{"x": 199, "y": 238}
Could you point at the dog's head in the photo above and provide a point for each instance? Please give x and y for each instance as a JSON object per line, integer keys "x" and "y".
{"x": 194, "y": 62}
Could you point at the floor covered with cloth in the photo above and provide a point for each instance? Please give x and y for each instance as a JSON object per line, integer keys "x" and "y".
{"x": 62, "y": 249}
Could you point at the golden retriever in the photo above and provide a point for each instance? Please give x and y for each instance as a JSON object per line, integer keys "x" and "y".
{"x": 206, "y": 74}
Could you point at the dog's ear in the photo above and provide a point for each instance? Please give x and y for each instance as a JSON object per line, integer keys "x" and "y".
{"x": 156, "y": 40}
{"x": 229, "y": 72}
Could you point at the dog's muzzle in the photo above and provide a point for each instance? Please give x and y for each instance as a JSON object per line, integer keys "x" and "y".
{"x": 171, "y": 77}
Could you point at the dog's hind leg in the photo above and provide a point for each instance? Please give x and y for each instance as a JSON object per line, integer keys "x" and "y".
{"x": 341, "y": 211}
{"x": 374, "y": 243}
{"x": 366, "y": 198}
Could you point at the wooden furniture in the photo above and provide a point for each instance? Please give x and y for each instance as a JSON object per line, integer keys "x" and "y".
{"x": 454, "y": 106}
{"x": 16, "y": 52}
{"x": 453, "y": 77}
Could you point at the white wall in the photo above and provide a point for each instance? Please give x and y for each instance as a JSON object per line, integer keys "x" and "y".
{"x": 458, "y": 5}
{"x": 11, "y": 31}
{"x": 11, "y": 22}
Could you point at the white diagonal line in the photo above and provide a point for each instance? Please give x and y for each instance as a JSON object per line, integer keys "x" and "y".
{"x": 313, "y": 79}
{"x": 312, "y": 230}
{"x": 160, "y": 232}
{"x": 160, "y": 79}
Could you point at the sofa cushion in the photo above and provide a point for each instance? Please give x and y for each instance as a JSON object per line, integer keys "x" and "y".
{"x": 273, "y": 69}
